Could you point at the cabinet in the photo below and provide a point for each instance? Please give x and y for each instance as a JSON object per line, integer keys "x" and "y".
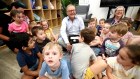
{"x": 46, "y": 9}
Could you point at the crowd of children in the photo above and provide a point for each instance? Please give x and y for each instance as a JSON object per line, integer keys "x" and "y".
{"x": 108, "y": 47}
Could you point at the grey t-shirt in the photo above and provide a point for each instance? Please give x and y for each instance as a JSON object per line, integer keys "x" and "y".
{"x": 81, "y": 55}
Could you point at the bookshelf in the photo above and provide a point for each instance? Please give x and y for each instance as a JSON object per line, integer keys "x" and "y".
{"x": 46, "y": 9}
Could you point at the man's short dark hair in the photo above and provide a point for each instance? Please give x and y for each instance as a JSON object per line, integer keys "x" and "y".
{"x": 17, "y": 4}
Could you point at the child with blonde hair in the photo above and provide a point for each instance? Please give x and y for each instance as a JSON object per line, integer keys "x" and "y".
{"x": 126, "y": 65}
{"x": 54, "y": 67}
{"x": 105, "y": 31}
{"x": 48, "y": 30}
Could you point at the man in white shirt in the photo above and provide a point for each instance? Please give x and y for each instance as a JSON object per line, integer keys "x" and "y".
{"x": 71, "y": 26}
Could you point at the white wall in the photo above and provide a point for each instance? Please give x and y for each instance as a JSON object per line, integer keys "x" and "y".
{"x": 95, "y": 8}
{"x": 101, "y": 12}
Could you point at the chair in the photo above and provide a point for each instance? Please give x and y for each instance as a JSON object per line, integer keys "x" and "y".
{"x": 82, "y": 11}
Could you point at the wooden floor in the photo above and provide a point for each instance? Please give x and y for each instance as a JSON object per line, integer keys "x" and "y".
{"x": 9, "y": 68}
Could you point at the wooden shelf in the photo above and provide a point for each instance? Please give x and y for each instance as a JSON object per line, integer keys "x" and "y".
{"x": 46, "y": 9}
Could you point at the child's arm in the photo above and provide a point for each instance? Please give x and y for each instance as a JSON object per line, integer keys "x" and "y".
{"x": 96, "y": 42}
{"x": 109, "y": 72}
{"x": 53, "y": 34}
{"x": 26, "y": 71}
{"x": 40, "y": 61}
{"x": 98, "y": 66}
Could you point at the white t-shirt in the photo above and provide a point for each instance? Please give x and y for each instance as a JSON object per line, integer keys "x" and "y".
{"x": 120, "y": 72}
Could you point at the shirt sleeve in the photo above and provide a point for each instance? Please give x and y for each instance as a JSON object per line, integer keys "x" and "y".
{"x": 21, "y": 60}
{"x": 82, "y": 26}
{"x": 63, "y": 31}
{"x": 65, "y": 70}
{"x": 43, "y": 69}
{"x": 137, "y": 73}
{"x": 111, "y": 61}
{"x": 10, "y": 29}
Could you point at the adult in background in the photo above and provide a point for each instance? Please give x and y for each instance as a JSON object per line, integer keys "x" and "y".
{"x": 118, "y": 15}
{"x": 70, "y": 29}
{"x": 6, "y": 20}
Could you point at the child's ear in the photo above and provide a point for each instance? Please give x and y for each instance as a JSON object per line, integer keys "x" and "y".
{"x": 61, "y": 56}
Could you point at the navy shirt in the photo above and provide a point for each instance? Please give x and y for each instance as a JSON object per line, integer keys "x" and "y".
{"x": 24, "y": 58}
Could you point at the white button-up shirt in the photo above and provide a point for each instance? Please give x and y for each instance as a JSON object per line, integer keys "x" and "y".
{"x": 71, "y": 27}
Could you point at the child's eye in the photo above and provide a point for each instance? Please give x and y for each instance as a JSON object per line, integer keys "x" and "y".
{"x": 47, "y": 54}
{"x": 54, "y": 53}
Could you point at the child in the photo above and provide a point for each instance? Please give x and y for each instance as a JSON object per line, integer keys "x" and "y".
{"x": 19, "y": 25}
{"x": 111, "y": 45}
{"x": 29, "y": 58}
{"x": 128, "y": 35}
{"x": 54, "y": 67}
{"x": 95, "y": 44}
{"x": 82, "y": 54}
{"x": 100, "y": 26}
{"x": 48, "y": 30}
{"x": 40, "y": 36}
{"x": 126, "y": 65}
{"x": 31, "y": 25}
{"x": 105, "y": 31}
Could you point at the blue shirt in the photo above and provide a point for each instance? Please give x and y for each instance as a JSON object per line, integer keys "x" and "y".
{"x": 62, "y": 71}
{"x": 24, "y": 58}
{"x": 71, "y": 27}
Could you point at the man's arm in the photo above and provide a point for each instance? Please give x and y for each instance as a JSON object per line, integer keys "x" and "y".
{"x": 82, "y": 26}
{"x": 3, "y": 37}
{"x": 63, "y": 31}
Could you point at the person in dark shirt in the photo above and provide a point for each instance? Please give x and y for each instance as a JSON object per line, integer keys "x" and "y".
{"x": 7, "y": 19}
{"x": 28, "y": 57}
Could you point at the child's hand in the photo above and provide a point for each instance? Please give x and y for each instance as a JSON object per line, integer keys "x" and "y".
{"x": 103, "y": 56}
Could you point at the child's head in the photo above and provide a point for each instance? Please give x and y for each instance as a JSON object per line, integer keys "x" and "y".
{"x": 39, "y": 33}
{"x": 32, "y": 24}
{"x": 106, "y": 28}
{"x": 101, "y": 22}
{"x": 127, "y": 21}
{"x": 23, "y": 41}
{"x": 52, "y": 54}
{"x": 92, "y": 23}
{"x": 118, "y": 30}
{"x": 129, "y": 55}
{"x": 44, "y": 24}
{"x": 87, "y": 35}
{"x": 17, "y": 16}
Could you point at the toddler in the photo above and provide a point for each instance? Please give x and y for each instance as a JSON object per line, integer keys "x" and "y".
{"x": 83, "y": 56}
{"x": 111, "y": 45}
{"x": 19, "y": 25}
{"x": 128, "y": 35}
{"x": 126, "y": 65}
{"x": 48, "y": 30}
{"x": 40, "y": 37}
{"x": 54, "y": 67}
{"x": 105, "y": 31}
{"x": 94, "y": 44}
{"x": 100, "y": 26}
